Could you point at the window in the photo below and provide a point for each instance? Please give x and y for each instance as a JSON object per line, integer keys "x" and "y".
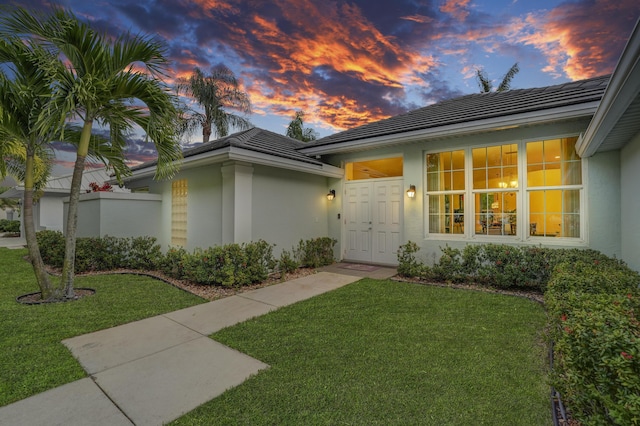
{"x": 554, "y": 179}
{"x": 495, "y": 189}
{"x": 445, "y": 188}
{"x": 179, "y": 193}
{"x": 374, "y": 169}
{"x": 511, "y": 191}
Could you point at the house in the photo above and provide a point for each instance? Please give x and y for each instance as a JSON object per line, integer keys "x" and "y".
{"x": 48, "y": 209}
{"x": 244, "y": 187}
{"x": 553, "y": 166}
{"x": 482, "y": 168}
{"x": 8, "y": 207}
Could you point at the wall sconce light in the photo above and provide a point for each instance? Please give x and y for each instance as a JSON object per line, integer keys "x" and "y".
{"x": 331, "y": 195}
{"x": 411, "y": 192}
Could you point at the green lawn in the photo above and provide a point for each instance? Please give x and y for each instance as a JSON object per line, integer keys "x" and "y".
{"x": 374, "y": 352}
{"x": 381, "y": 352}
{"x": 32, "y": 357}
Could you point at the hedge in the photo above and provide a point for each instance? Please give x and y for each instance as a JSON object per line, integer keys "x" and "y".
{"x": 227, "y": 265}
{"x": 11, "y": 226}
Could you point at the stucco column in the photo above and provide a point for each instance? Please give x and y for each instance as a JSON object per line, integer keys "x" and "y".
{"x": 237, "y": 183}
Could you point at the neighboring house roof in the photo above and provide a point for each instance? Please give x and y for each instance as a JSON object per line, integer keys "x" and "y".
{"x": 8, "y": 182}
{"x": 617, "y": 118}
{"x": 61, "y": 185}
{"x": 472, "y": 113}
{"x": 256, "y": 146}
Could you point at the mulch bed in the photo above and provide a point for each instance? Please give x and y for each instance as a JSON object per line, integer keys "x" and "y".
{"x": 36, "y": 298}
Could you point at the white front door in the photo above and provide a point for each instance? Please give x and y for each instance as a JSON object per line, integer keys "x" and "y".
{"x": 373, "y": 211}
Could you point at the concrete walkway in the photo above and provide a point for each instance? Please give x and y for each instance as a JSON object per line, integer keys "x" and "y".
{"x": 152, "y": 371}
{"x": 12, "y": 242}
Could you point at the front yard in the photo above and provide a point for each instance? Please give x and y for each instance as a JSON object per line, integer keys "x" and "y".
{"x": 382, "y": 352}
{"x": 374, "y": 352}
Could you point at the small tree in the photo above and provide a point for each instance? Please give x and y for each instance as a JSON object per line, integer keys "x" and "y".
{"x": 296, "y": 129}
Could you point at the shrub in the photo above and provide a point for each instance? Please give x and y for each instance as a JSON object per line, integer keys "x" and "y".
{"x": 222, "y": 265}
{"x": 101, "y": 253}
{"x": 408, "y": 264}
{"x": 315, "y": 252}
{"x": 51, "y": 244}
{"x": 143, "y": 253}
{"x": 500, "y": 266}
{"x": 593, "y": 308}
{"x": 287, "y": 263}
{"x": 260, "y": 260}
{"x": 597, "y": 358}
{"x": 228, "y": 265}
{"x": 173, "y": 263}
{"x": 11, "y": 226}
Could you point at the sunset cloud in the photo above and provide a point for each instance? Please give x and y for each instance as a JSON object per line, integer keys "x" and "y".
{"x": 582, "y": 42}
{"x": 456, "y": 8}
{"x": 349, "y": 62}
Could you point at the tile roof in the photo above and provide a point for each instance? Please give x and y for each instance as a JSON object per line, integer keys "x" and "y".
{"x": 464, "y": 109}
{"x": 254, "y": 139}
{"x": 476, "y": 107}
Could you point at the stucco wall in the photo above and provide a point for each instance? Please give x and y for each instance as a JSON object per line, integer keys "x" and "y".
{"x": 50, "y": 213}
{"x": 204, "y": 218}
{"x": 285, "y": 206}
{"x": 603, "y": 203}
{"x": 630, "y": 202}
{"x": 288, "y": 206}
{"x": 117, "y": 214}
{"x": 204, "y": 206}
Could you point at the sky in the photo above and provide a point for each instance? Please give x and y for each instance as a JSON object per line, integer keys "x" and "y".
{"x": 347, "y": 63}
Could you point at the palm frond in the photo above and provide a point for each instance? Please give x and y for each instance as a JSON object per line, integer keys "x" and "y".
{"x": 483, "y": 81}
{"x": 217, "y": 93}
{"x": 508, "y": 77}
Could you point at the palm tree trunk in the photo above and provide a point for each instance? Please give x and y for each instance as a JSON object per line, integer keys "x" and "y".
{"x": 206, "y": 132}
{"x": 47, "y": 291}
{"x": 68, "y": 267}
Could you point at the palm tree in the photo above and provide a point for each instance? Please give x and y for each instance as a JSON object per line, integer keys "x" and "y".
{"x": 296, "y": 129}
{"x": 96, "y": 79}
{"x": 21, "y": 99}
{"x": 485, "y": 83}
{"x": 215, "y": 93}
{"x": 25, "y": 153}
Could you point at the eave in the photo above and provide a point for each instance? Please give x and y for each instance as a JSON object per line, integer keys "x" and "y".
{"x": 617, "y": 119}
{"x": 247, "y": 156}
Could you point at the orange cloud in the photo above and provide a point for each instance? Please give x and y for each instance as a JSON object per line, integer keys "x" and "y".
{"x": 582, "y": 42}
{"x": 421, "y": 19}
{"x": 303, "y": 66}
{"x": 456, "y": 8}
{"x": 210, "y": 7}
{"x": 342, "y": 40}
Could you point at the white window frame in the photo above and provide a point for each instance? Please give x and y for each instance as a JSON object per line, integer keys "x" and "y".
{"x": 522, "y": 201}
